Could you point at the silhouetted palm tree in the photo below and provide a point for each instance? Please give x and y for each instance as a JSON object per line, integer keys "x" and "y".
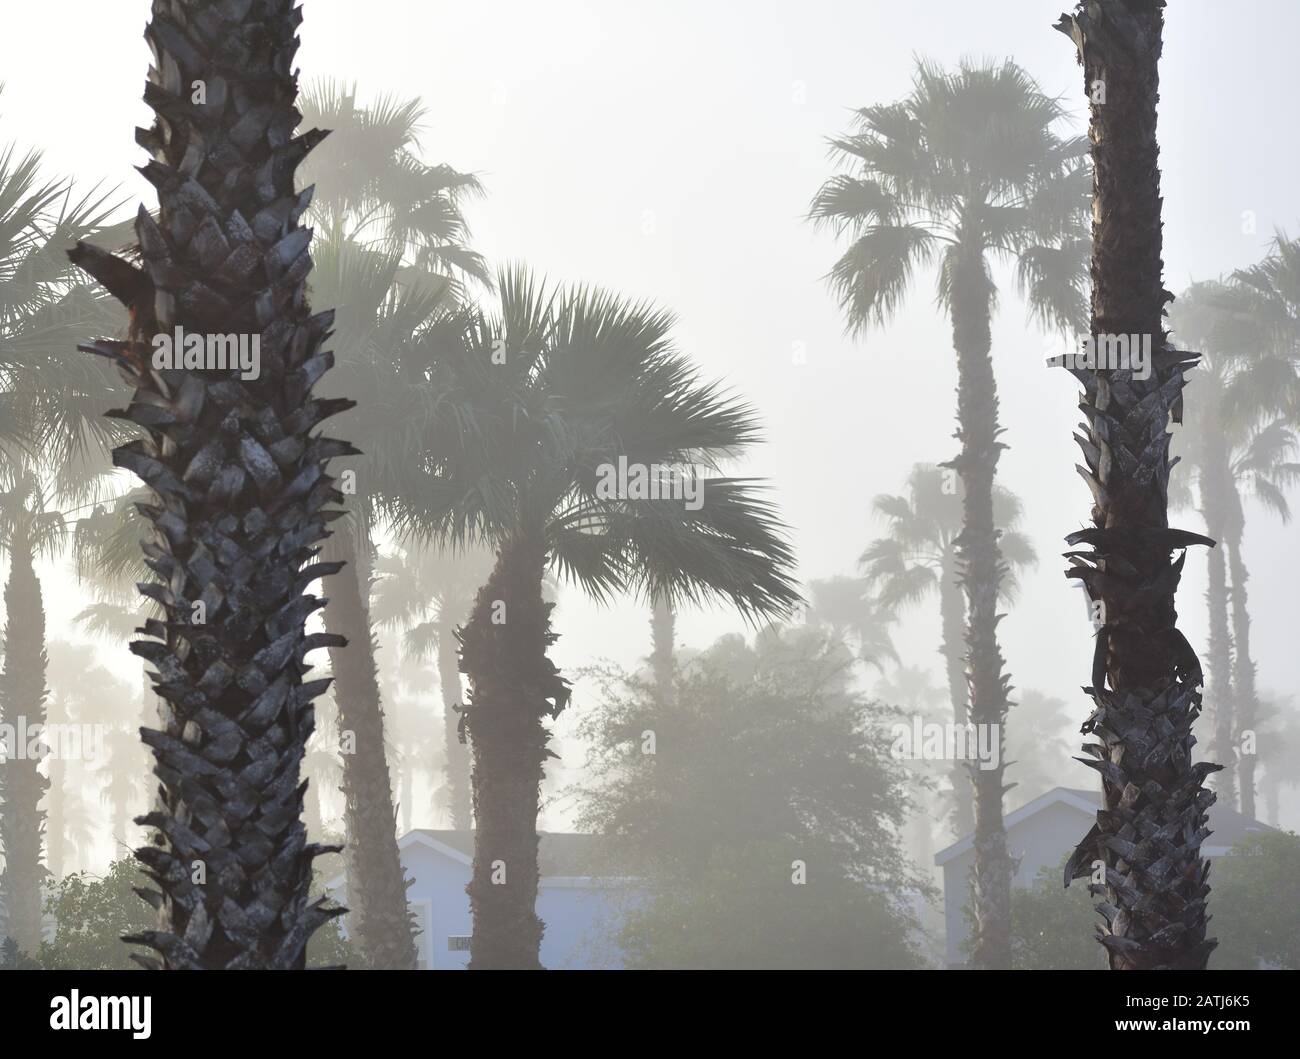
{"x": 540, "y": 404}
{"x": 1146, "y": 679}
{"x": 967, "y": 167}
{"x": 241, "y": 483}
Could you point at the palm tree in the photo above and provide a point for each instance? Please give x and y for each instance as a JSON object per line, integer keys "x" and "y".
{"x": 967, "y": 167}
{"x": 1264, "y": 301}
{"x": 430, "y": 593}
{"x": 1146, "y": 679}
{"x": 919, "y": 558}
{"x": 28, "y": 529}
{"x": 394, "y": 253}
{"x": 1244, "y": 442}
{"x": 242, "y": 490}
{"x": 541, "y": 403}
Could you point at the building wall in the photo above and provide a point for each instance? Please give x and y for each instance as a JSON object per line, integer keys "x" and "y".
{"x": 579, "y": 916}
{"x": 1041, "y": 840}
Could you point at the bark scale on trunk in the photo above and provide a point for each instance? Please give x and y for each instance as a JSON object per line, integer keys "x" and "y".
{"x": 1245, "y": 695}
{"x": 379, "y": 919}
{"x": 1146, "y": 843}
{"x": 456, "y": 765}
{"x": 513, "y": 685}
{"x": 951, "y": 618}
{"x": 980, "y": 572}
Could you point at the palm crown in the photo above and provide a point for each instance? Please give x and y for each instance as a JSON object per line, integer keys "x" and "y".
{"x": 535, "y": 399}
{"x": 968, "y": 162}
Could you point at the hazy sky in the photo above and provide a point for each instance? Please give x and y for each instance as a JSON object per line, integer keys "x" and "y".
{"x": 669, "y": 150}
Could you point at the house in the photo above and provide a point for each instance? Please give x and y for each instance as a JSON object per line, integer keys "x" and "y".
{"x": 580, "y": 909}
{"x": 1040, "y": 834}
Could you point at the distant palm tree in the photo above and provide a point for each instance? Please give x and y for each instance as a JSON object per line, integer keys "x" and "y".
{"x": 919, "y": 558}
{"x": 392, "y": 255}
{"x": 1241, "y": 439}
{"x": 540, "y": 404}
{"x": 28, "y": 529}
{"x": 430, "y": 593}
{"x": 855, "y": 615}
{"x": 1146, "y": 679}
{"x": 967, "y": 167}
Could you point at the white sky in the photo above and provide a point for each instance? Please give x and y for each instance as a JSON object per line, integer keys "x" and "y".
{"x": 669, "y": 150}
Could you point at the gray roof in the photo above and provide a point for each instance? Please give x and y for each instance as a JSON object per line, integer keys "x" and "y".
{"x": 563, "y": 853}
{"x": 1228, "y": 826}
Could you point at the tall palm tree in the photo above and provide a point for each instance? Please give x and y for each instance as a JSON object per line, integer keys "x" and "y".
{"x": 1146, "y": 679}
{"x": 385, "y": 301}
{"x": 429, "y": 593}
{"x": 919, "y": 558}
{"x": 1238, "y": 440}
{"x": 242, "y": 490}
{"x": 967, "y": 167}
{"x": 1264, "y": 302}
{"x": 541, "y": 403}
{"x": 28, "y": 529}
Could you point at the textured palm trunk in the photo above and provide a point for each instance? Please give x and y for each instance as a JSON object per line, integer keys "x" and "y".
{"x": 980, "y": 572}
{"x": 663, "y": 622}
{"x": 22, "y": 702}
{"x": 951, "y": 614}
{"x": 379, "y": 919}
{"x": 1216, "y": 482}
{"x": 1146, "y": 843}
{"x": 456, "y": 765}
{"x": 512, "y": 686}
{"x": 241, "y": 488}
{"x": 1245, "y": 695}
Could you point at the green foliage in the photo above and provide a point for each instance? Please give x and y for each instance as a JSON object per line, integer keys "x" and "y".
{"x": 759, "y": 762}
{"x": 92, "y": 915}
{"x": 1052, "y": 927}
{"x": 1255, "y": 901}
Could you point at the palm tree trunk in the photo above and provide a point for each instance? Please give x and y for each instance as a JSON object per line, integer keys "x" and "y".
{"x": 1146, "y": 679}
{"x": 240, "y": 473}
{"x": 22, "y": 705}
{"x": 1243, "y": 671}
{"x": 456, "y": 766}
{"x": 663, "y": 622}
{"x": 1216, "y": 482}
{"x": 379, "y": 918}
{"x": 951, "y": 619}
{"x": 512, "y": 686}
{"x": 981, "y": 572}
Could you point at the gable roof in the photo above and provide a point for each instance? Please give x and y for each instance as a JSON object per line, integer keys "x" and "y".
{"x": 560, "y": 854}
{"x": 1228, "y": 825}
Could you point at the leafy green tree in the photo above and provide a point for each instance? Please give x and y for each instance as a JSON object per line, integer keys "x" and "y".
{"x": 760, "y": 822}
{"x": 1257, "y": 917}
{"x": 968, "y": 167}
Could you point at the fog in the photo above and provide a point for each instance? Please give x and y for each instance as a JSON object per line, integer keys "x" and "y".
{"x": 669, "y": 152}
